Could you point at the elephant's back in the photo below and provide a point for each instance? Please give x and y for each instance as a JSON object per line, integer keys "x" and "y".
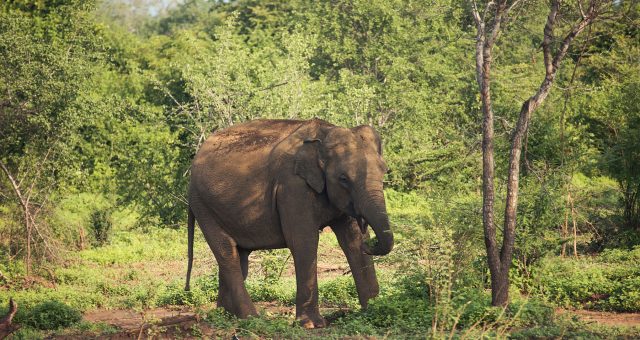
{"x": 230, "y": 173}
{"x": 255, "y": 138}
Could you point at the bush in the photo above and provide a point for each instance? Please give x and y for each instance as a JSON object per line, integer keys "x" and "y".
{"x": 176, "y": 295}
{"x": 220, "y": 318}
{"x": 273, "y": 263}
{"x": 101, "y": 223}
{"x": 27, "y": 334}
{"x": 339, "y": 292}
{"x": 204, "y": 290}
{"x": 282, "y": 291}
{"x": 263, "y": 326}
{"x": 271, "y": 327}
{"x": 51, "y": 315}
{"x": 607, "y": 282}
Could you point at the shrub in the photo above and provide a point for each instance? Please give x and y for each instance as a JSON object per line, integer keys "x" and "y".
{"x": 273, "y": 263}
{"x": 282, "y": 291}
{"x": 204, "y": 290}
{"x": 101, "y": 223}
{"x": 607, "y": 282}
{"x": 278, "y": 327}
{"x": 51, "y": 315}
{"x": 208, "y": 284}
{"x": 339, "y": 292}
{"x": 27, "y": 333}
{"x": 219, "y": 318}
{"x": 175, "y": 295}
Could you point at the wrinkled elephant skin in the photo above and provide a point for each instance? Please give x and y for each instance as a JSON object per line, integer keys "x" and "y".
{"x": 269, "y": 184}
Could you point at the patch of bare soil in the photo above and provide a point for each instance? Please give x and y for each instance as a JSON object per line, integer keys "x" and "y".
{"x": 157, "y": 323}
{"x": 131, "y": 320}
{"x": 165, "y": 323}
{"x": 606, "y": 318}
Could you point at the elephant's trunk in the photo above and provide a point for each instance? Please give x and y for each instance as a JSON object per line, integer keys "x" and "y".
{"x": 374, "y": 212}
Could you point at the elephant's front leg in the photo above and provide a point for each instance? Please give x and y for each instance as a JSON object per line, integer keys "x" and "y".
{"x": 300, "y": 231}
{"x": 305, "y": 259}
{"x": 350, "y": 239}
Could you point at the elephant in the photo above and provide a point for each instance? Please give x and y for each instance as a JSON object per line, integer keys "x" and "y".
{"x": 268, "y": 184}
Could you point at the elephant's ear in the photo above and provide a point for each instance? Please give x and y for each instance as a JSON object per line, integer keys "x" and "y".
{"x": 308, "y": 164}
{"x": 369, "y": 135}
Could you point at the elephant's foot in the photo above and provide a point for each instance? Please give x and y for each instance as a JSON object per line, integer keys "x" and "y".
{"x": 367, "y": 293}
{"x": 313, "y": 320}
{"x": 240, "y": 310}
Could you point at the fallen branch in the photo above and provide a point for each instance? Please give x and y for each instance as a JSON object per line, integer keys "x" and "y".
{"x": 6, "y": 326}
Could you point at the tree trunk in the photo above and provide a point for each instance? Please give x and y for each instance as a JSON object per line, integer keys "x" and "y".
{"x": 500, "y": 263}
{"x": 24, "y": 204}
{"x": 565, "y": 233}
{"x": 27, "y": 224}
{"x": 575, "y": 227}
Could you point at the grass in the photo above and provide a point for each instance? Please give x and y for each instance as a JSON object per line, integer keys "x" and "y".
{"x": 421, "y": 294}
{"x": 608, "y": 282}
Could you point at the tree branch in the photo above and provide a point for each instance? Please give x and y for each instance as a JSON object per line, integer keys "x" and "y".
{"x": 6, "y": 325}
{"x": 14, "y": 185}
{"x": 548, "y": 37}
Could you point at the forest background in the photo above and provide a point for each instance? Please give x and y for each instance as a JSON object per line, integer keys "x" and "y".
{"x": 103, "y": 104}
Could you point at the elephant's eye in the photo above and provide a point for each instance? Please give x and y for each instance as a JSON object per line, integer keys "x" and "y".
{"x": 344, "y": 180}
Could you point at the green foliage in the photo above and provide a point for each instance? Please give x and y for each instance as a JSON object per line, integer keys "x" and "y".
{"x": 101, "y": 225}
{"x": 339, "y": 292}
{"x": 203, "y": 291}
{"x": 575, "y": 329}
{"x": 176, "y": 295}
{"x": 126, "y": 247}
{"x": 282, "y": 291}
{"x": 273, "y": 263}
{"x": 103, "y": 109}
{"x": 263, "y": 326}
{"x": 609, "y": 282}
{"x": 220, "y": 318}
{"x": 51, "y": 315}
{"x": 272, "y": 326}
{"x": 27, "y": 333}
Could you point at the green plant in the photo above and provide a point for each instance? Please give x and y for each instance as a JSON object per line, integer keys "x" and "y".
{"x": 269, "y": 326}
{"x": 219, "y": 318}
{"x": 339, "y": 292}
{"x": 282, "y": 291}
{"x": 273, "y": 263}
{"x": 176, "y": 295}
{"x": 101, "y": 223}
{"x": 608, "y": 282}
{"x": 51, "y": 315}
{"x": 27, "y": 333}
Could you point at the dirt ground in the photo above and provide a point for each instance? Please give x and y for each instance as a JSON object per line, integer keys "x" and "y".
{"x": 185, "y": 323}
{"x": 605, "y": 318}
{"x": 165, "y": 323}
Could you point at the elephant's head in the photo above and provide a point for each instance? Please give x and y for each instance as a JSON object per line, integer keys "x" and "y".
{"x": 347, "y": 165}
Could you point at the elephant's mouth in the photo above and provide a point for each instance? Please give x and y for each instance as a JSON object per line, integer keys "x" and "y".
{"x": 362, "y": 223}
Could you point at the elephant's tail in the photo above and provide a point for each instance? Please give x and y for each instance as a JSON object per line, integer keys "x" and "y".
{"x": 191, "y": 222}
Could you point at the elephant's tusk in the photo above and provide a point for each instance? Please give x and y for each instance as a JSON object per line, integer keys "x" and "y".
{"x": 363, "y": 224}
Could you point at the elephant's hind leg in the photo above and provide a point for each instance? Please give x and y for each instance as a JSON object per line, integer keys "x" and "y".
{"x": 232, "y": 294}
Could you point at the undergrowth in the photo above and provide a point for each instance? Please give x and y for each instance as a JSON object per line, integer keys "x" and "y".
{"x": 608, "y": 282}
{"x": 429, "y": 286}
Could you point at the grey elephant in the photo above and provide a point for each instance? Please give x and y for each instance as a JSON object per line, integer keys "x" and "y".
{"x": 268, "y": 184}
